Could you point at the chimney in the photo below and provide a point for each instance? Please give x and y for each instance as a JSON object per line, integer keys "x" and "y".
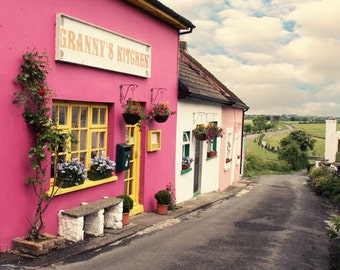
{"x": 183, "y": 45}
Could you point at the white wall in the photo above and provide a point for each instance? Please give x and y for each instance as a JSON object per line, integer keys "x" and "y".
{"x": 189, "y": 114}
{"x": 332, "y": 138}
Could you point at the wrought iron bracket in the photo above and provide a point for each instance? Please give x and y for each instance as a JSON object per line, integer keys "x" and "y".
{"x": 203, "y": 117}
{"x": 155, "y": 92}
{"x": 124, "y": 91}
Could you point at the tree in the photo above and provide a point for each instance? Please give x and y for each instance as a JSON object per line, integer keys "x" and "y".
{"x": 294, "y": 147}
{"x": 247, "y": 128}
{"x": 260, "y": 123}
{"x": 303, "y": 140}
{"x": 294, "y": 156}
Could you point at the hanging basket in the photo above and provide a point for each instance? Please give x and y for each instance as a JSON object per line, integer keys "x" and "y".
{"x": 161, "y": 118}
{"x": 131, "y": 119}
{"x": 200, "y": 137}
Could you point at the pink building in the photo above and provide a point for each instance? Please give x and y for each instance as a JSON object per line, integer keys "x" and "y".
{"x": 101, "y": 54}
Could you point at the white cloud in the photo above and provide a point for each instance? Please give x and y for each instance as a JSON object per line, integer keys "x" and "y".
{"x": 278, "y": 57}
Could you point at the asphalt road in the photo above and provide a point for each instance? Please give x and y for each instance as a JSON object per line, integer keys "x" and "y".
{"x": 278, "y": 224}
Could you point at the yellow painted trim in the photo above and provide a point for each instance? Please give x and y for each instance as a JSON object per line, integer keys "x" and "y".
{"x": 137, "y": 209}
{"x": 86, "y": 184}
{"x": 154, "y": 145}
{"x": 133, "y": 131}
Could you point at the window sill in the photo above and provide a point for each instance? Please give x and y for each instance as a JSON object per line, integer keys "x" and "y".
{"x": 186, "y": 171}
{"x": 209, "y": 158}
{"x": 87, "y": 184}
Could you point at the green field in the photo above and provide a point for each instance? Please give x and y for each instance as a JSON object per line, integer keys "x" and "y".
{"x": 252, "y": 147}
{"x": 317, "y": 130}
{"x": 319, "y": 147}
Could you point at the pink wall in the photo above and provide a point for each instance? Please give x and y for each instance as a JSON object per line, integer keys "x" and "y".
{"x": 25, "y": 26}
{"x": 231, "y": 118}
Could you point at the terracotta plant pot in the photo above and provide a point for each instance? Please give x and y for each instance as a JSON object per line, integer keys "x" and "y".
{"x": 185, "y": 166}
{"x": 211, "y": 154}
{"x": 125, "y": 219}
{"x": 162, "y": 209}
{"x": 161, "y": 118}
{"x": 131, "y": 119}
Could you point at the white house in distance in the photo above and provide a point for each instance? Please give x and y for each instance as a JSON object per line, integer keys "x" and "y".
{"x": 203, "y": 99}
{"x": 332, "y": 140}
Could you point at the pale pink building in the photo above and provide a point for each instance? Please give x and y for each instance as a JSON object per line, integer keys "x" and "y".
{"x": 101, "y": 53}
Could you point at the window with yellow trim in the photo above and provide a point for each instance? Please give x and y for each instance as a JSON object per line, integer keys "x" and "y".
{"x": 88, "y": 123}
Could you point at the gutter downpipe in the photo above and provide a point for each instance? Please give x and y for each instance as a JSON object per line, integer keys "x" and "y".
{"x": 242, "y": 146}
{"x": 187, "y": 32}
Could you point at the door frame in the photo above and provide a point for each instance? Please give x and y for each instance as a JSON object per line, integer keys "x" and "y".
{"x": 133, "y": 138}
{"x": 197, "y": 168}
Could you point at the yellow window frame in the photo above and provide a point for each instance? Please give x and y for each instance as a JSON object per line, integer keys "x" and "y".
{"x": 97, "y": 123}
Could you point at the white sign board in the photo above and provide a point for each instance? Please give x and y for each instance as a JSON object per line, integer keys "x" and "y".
{"x": 86, "y": 44}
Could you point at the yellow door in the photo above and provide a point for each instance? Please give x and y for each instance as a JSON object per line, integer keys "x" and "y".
{"x": 131, "y": 181}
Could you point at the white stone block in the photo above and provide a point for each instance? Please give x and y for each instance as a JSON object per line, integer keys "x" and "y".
{"x": 113, "y": 216}
{"x": 71, "y": 228}
{"x": 94, "y": 223}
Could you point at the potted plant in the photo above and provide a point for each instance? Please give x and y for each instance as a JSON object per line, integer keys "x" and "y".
{"x": 72, "y": 173}
{"x": 160, "y": 112}
{"x": 207, "y": 132}
{"x": 186, "y": 162}
{"x": 127, "y": 206}
{"x": 163, "y": 198}
{"x": 101, "y": 168}
{"x": 133, "y": 112}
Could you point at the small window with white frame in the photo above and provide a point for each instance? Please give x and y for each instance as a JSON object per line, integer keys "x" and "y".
{"x": 186, "y": 159}
{"x": 212, "y": 147}
{"x": 228, "y": 148}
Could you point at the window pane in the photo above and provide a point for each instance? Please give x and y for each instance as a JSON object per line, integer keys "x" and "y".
{"x": 54, "y": 114}
{"x": 62, "y": 115}
{"x": 75, "y": 135}
{"x": 82, "y": 157}
{"x": 186, "y": 137}
{"x": 102, "y": 140}
{"x": 95, "y": 112}
{"x": 209, "y": 146}
{"x": 94, "y": 142}
{"x": 83, "y": 139}
{"x": 75, "y": 117}
{"x": 83, "y": 117}
{"x": 102, "y": 116}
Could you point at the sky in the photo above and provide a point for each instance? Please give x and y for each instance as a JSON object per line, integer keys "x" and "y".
{"x": 278, "y": 56}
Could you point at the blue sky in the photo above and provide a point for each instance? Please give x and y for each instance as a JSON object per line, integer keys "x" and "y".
{"x": 278, "y": 56}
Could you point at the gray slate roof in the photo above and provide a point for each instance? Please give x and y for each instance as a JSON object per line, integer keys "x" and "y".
{"x": 198, "y": 83}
